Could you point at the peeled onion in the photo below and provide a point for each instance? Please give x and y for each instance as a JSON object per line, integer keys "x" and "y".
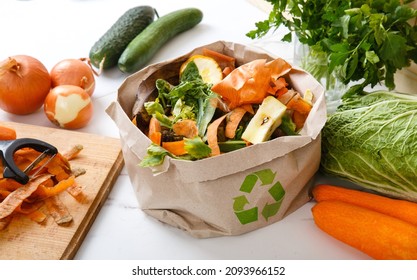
{"x": 24, "y": 84}
{"x": 73, "y": 72}
{"x": 68, "y": 106}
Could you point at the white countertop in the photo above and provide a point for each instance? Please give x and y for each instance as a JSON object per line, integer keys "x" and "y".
{"x": 56, "y": 30}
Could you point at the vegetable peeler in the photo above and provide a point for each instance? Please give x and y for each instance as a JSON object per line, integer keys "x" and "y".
{"x": 9, "y": 147}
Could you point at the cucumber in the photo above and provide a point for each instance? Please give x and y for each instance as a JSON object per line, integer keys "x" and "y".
{"x": 112, "y": 44}
{"x": 141, "y": 50}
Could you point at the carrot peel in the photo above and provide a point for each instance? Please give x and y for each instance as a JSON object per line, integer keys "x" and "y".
{"x": 233, "y": 121}
{"x": 251, "y": 82}
{"x": 154, "y": 132}
{"x": 175, "y": 147}
{"x": 44, "y": 189}
{"x": 7, "y": 133}
{"x": 212, "y": 135}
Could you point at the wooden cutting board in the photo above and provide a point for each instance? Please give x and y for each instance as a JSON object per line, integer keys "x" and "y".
{"x": 102, "y": 159}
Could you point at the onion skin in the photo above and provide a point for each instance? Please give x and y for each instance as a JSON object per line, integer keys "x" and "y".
{"x": 73, "y": 72}
{"x": 68, "y": 106}
{"x": 24, "y": 84}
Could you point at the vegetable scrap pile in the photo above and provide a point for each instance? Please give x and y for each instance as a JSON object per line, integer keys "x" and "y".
{"x": 219, "y": 107}
{"x": 40, "y": 197}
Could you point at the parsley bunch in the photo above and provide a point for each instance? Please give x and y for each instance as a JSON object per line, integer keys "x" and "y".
{"x": 367, "y": 41}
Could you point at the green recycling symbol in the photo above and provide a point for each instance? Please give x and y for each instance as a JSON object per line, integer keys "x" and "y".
{"x": 277, "y": 192}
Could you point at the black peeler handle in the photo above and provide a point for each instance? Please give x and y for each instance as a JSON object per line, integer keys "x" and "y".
{"x": 8, "y": 148}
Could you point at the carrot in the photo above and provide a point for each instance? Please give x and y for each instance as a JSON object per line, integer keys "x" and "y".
{"x": 76, "y": 191}
{"x": 27, "y": 208}
{"x": 58, "y": 210}
{"x": 223, "y": 60}
{"x": 4, "y": 193}
{"x": 299, "y": 119}
{"x": 226, "y": 71}
{"x": 286, "y": 96}
{"x": 233, "y": 120}
{"x": 58, "y": 171}
{"x": 248, "y": 108}
{"x": 37, "y": 216}
{"x": 5, "y": 222}
{"x": 301, "y": 109}
{"x": 7, "y": 133}
{"x": 186, "y": 128}
{"x": 297, "y": 103}
{"x": 278, "y": 87}
{"x": 378, "y": 235}
{"x": 9, "y": 185}
{"x": 73, "y": 152}
{"x": 25, "y": 155}
{"x": 212, "y": 136}
{"x": 251, "y": 83}
{"x": 175, "y": 147}
{"x": 281, "y": 91}
{"x": 13, "y": 200}
{"x": 397, "y": 208}
{"x": 154, "y": 132}
{"x": 156, "y": 137}
{"x": 45, "y": 191}
{"x": 54, "y": 175}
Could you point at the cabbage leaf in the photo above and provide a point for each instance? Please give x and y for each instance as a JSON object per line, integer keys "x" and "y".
{"x": 371, "y": 140}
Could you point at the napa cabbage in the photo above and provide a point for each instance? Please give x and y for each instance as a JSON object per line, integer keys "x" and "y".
{"x": 371, "y": 140}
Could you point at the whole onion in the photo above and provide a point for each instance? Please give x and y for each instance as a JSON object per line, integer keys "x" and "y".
{"x": 24, "y": 84}
{"x": 74, "y": 72}
{"x": 68, "y": 106}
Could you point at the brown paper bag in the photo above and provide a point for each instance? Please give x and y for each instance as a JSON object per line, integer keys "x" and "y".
{"x": 232, "y": 193}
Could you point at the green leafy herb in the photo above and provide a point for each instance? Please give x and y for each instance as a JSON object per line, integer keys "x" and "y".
{"x": 288, "y": 126}
{"x": 191, "y": 99}
{"x": 231, "y": 145}
{"x": 196, "y": 148}
{"x": 155, "y": 156}
{"x": 366, "y": 41}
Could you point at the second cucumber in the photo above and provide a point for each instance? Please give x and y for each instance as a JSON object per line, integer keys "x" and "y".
{"x": 145, "y": 45}
{"x": 110, "y": 46}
